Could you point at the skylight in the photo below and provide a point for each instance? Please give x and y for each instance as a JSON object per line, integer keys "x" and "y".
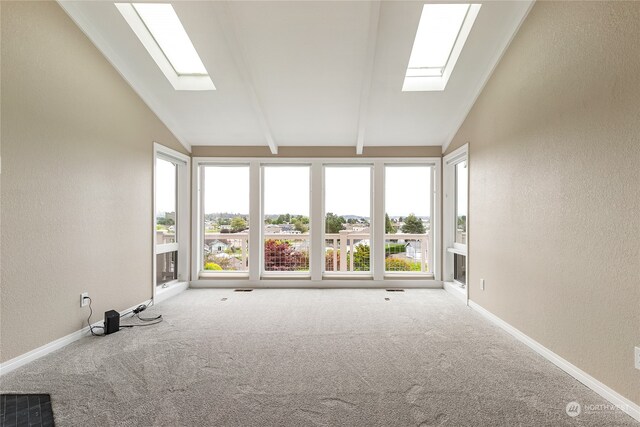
{"x": 167, "y": 30}
{"x": 159, "y": 29}
{"x": 442, "y": 33}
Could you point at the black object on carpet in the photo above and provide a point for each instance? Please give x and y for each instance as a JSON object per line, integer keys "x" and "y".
{"x": 31, "y": 410}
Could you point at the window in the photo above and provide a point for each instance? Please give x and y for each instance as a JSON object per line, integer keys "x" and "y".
{"x": 347, "y": 220}
{"x": 286, "y": 203}
{"x": 315, "y": 222}
{"x": 166, "y": 267}
{"x": 171, "y": 217}
{"x": 460, "y": 269}
{"x": 461, "y": 203}
{"x": 159, "y": 29}
{"x": 407, "y": 219}
{"x": 166, "y": 201}
{"x": 441, "y": 35}
{"x": 166, "y": 225}
{"x": 456, "y": 216}
{"x": 226, "y": 218}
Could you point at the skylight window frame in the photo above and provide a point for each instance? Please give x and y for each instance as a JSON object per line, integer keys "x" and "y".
{"x": 189, "y": 82}
{"x": 439, "y": 82}
{"x": 160, "y": 46}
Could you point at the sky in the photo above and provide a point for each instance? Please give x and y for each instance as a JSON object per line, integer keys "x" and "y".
{"x": 226, "y": 189}
{"x": 347, "y": 190}
{"x": 462, "y": 184}
{"x": 407, "y": 190}
{"x": 286, "y": 190}
{"x": 166, "y": 187}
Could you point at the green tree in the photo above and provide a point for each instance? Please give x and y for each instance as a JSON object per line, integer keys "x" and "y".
{"x": 283, "y": 219}
{"x": 413, "y": 225}
{"x": 300, "y": 226}
{"x": 361, "y": 258}
{"x": 238, "y": 224}
{"x": 388, "y": 226}
{"x": 301, "y": 218}
{"x": 165, "y": 221}
{"x": 333, "y": 223}
{"x": 462, "y": 223}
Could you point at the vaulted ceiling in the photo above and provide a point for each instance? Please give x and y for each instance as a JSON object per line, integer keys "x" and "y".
{"x": 304, "y": 73}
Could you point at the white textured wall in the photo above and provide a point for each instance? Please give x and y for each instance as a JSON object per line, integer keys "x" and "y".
{"x": 555, "y": 186}
{"x": 77, "y": 156}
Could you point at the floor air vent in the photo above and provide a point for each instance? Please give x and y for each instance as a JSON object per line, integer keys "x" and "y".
{"x": 26, "y": 410}
{"x": 242, "y": 290}
{"x": 395, "y": 290}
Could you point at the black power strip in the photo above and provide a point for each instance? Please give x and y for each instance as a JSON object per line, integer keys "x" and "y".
{"x": 111, "y": 322}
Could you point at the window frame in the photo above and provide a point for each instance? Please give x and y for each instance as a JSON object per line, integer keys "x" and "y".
{"x": 348, "y": 274}
{"x": 283, "y": 274}
{"x": 450, "y": 246}
{"x": 439, "y": 82}
{"x": 198, "y": 221}
{"x": 316, "y": 276}
{"x": 182, "y": 223}
{"x": 432, "y": 255}
{"x": 190, "y": 82}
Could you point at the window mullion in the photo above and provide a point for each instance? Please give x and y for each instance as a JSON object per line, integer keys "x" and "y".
{"x": 377, "y": 221}
{"x": 255, "y": 220}
{"x": 316, "y": 221}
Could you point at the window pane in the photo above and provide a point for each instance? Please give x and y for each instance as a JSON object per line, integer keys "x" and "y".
{"x": 286, "y": 218}
{"x": 347, "y": 219}
{"x": 166, "y": 201}
{"x": 460, "y": 268}
{"x": 226, "y": 218}
{"x": 408, "y": 218}
{"x": 166, "y": 267}
{"x": 461, "y": 202}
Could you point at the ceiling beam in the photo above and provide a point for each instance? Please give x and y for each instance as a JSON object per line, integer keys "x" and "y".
{"x": 236, "y": 48}
{"x": 365, "y": 91}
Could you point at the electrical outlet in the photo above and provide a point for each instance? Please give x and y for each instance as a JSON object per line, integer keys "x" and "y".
{"x": 84, "y": 302}
{"x": 482, "y": 284}
{"x": 637, "y": 357}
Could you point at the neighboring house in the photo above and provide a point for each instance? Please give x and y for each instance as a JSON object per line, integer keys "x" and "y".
{"x": 272, "y": 228}
{"x": 363, "y": 242}
{"x": 218, "y": 246}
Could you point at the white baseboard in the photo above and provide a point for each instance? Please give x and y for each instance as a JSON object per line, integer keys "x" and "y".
{"x": 37, "y": 353}
{"x": 612, "y": 396}
{"x": 456, "y": 291}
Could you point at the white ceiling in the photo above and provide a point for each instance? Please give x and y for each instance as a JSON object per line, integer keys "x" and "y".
{"x": 304, "y": 73}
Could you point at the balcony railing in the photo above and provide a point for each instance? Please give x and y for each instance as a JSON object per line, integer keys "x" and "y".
{"x": 346, "y": 251}
{"x": 226, "y": 251}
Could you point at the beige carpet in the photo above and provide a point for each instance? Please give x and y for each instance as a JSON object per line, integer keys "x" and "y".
{"x": 309, "y": 358}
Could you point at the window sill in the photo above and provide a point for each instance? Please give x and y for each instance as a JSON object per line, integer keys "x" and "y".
{"x": 281, "y": 276}
{"x": 346, "y": 276}
{"x": 407, "y": 276}
{"x": 223, "y": 275}
{"x": 457, "y": 251}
